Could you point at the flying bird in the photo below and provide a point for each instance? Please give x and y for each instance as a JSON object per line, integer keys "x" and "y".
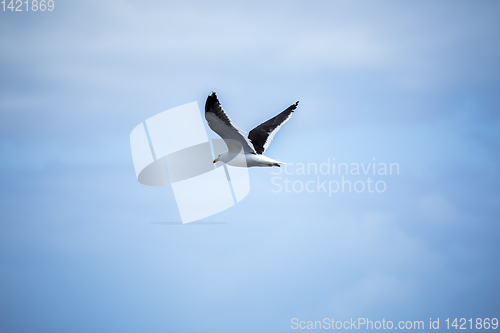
{"x": 244, "y": 151}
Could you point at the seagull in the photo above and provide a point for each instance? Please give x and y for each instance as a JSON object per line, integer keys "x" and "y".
{"x": 244, "y": 151}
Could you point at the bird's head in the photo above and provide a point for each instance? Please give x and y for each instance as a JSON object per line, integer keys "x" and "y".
{"x": 217, "y": 159}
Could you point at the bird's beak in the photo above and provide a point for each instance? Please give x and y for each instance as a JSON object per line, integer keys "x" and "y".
{"x": 216, "y": 160}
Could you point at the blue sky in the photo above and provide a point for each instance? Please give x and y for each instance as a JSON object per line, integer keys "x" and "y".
{"x": 83, "y": 246}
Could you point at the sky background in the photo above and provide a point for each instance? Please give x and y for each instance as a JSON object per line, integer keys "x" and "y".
{"x": 84, "y": 247}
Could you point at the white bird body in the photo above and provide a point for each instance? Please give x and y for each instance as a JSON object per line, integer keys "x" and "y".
{"x": 247, "y": 160}
{"x": 244, "y": 151}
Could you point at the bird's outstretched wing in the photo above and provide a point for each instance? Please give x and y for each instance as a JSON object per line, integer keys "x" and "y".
{"x": 262, "y": 135}
{"x": 220, "y": 123}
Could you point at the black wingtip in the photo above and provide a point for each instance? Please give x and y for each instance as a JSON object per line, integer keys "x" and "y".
{"x": 211, "y": 101}
{"x": 212, "y": 96}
